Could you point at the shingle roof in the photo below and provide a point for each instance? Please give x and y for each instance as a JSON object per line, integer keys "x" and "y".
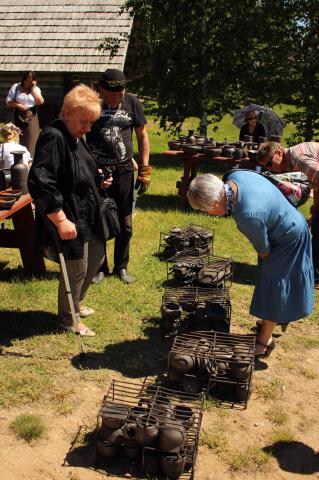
{"x": 60, "y": 36}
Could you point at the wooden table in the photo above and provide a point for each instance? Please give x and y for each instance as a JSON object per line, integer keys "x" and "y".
{"x": 191, "y": 165}
{"x": 23, "y": 236}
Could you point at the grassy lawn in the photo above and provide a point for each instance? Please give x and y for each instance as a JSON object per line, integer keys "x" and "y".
{"x": 38, "y": 364}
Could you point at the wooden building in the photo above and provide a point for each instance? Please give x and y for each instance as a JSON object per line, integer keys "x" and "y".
{"x": 58, "y": 40}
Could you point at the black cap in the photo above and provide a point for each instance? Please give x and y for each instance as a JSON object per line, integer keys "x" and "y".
{"x": 113, "y": 80}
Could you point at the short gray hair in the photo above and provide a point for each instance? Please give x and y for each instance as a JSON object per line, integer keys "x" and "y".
{"x": 205, "y": 191}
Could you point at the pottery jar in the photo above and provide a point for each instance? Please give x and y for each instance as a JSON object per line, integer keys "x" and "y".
{"x": 173, "y": 465}
{"x": 105, "y": 449}
{"x": 19, "y": 173}
{"x": 191, "y": 137}
{"x": 172, "y": 436}
{"x": 182, "y": 362}
{"x": 151, "y": 463}
{"x": 185, "y": 415}
{"x": 146, "y": 429}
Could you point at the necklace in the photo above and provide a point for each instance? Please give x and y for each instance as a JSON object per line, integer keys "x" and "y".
{"x": 230, "y": 198}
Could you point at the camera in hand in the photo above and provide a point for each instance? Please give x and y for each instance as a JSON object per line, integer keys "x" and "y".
{"x": 105, "y": 174}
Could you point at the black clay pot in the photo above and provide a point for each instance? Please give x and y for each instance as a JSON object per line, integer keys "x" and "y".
{"x": 248, "y": 138}
{"x": 182, "y": 362}
{"x": 174, "y": 145}
{"x": 11, "y": 194}
{"x": 185, "y": 415}
{"x": 243, "y": 392}
{"x": 172, "y": 436}
{"x": 174, "y": 376}
{"x": 114, "y": 415}
{"x": 114, "y": 436}
{"x": 19, "y": 173}
{"x": 173, "y": 465}
{"x": 131, "y": 449}
{"x": 262, "y": 139}
{"x": 106, "y": 449}
{"x": 240, "y": 371}
{"x": 275, "y": 138}
{"x": 191, "y": 384}
{"x": 215, "y": 311}
{"x": 192, "y": 149}
{"x": 171, "y": 311}
{"x": 151, "y": 463}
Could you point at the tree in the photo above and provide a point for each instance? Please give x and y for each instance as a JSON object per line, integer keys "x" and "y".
{"x": 207, "y": 57}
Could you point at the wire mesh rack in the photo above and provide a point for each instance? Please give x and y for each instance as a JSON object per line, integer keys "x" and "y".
{"x": 193, "y": 238}
{"x": 220, "y": 364}
{"x": 207, "y": 270}
{"x": 185, "y": 309}
{"x": 148, "y": 429}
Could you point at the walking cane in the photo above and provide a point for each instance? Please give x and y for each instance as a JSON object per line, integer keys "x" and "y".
{"x": 54, "y": 234}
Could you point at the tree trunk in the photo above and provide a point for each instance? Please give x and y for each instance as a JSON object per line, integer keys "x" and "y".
{"x": 203, "y": 71}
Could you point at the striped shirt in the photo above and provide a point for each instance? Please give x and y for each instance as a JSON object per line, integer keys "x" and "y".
{"x": 304, "y": 158}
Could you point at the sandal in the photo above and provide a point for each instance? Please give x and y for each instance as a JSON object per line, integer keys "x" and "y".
{"x": 268, "y": 348}
{"x": 85, "y": 311}
{"x": 85, "y": 332}
{"x": 257, "y": 328}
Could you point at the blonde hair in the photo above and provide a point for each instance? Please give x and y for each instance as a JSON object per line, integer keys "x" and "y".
{"x": 81, "y": 97}
{"x": 204, "y": 191}
{"x": 11, "y": 132}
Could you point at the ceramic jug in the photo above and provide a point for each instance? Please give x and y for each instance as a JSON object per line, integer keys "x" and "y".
{"x": 19, "y": 173}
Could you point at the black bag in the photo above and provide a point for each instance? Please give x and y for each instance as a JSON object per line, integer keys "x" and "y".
{"x": 109, "y": 225}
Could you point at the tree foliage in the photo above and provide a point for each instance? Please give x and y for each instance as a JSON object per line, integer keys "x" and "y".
{"x": 210, "y": 57}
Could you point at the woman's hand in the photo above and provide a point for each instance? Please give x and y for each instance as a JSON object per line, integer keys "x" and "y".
{"x": 67, "y": 230}
{"x": 107, "y": 183}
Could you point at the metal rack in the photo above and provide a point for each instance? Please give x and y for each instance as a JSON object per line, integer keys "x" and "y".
{"x": 195, "y": 307}
{"x": 134, "y": 410}
{"x": 193, "y": 238}
{"x": 220, "y": 364}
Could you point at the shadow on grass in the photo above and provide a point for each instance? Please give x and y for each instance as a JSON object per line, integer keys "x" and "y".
{"x": 18, "y": 274}
{"x": 16, "y": 324}
{"x": 244, "y": 273}
{"x": 136, "y": 358}
{"x": 158, "y": 202}
{"x": 295, "y": 457}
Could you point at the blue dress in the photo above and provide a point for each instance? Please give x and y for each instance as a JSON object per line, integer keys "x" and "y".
{"x": 284, "y": 291}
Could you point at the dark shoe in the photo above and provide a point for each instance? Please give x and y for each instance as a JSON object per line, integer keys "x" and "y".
{"x": 266, "y": 350}
{"x": 123, "y": 275}
{"x": 99, "y": 277}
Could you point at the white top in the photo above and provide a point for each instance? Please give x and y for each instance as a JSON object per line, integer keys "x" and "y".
{"x": 7, "y": 148}
{"x": 26, "y": 99}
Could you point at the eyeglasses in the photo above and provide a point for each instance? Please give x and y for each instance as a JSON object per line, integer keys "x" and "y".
{"x": 115, "y": 83}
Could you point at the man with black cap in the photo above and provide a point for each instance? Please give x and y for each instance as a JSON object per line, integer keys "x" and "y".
{"x": 111, "y": 141}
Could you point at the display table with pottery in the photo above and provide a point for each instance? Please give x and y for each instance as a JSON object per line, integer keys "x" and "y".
{"x": 190, "y": 163}
{"x": 23, "y": 235}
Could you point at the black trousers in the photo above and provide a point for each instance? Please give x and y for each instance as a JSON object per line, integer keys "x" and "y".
{"x": 122, "y": 190}
{"x": 315, "y": 245}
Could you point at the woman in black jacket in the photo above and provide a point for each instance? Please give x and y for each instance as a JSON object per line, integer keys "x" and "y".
{"x": 252, "y": 127}
{"x": 61, "y": 183}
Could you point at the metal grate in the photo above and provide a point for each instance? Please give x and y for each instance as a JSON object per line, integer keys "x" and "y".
{"x": 187, "y": 309}
{"x": 193, "y": 239}
{"x": 147, "y": 421}
{"x": 221, "y": 364}
{"x": 209, "y": 271}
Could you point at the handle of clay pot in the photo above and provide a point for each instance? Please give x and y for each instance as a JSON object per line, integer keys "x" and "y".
{"x": 129, "y": 430}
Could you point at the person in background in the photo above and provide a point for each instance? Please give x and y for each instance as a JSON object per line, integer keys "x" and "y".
{"x": 284, "y": 291}
{"x": 11, "y": 133}
{"x": 61, "y": 182}
{"x": 111, "y": 142}
{"x": 303, "y": 157}
{"x": 252, "y": 127}
{"x": 24, "y": 98}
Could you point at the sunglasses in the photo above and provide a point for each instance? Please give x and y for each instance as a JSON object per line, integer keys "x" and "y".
{"x": 252, "y": 118}
{"x": 115, "y": 83}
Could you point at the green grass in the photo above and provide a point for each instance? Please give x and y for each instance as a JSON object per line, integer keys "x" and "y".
{"x": 28, "y": 427}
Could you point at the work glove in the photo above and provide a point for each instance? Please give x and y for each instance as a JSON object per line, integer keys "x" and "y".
{"x": 143, "y": 178}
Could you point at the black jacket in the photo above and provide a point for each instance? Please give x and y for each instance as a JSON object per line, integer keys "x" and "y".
{"x": 61, "y": 176}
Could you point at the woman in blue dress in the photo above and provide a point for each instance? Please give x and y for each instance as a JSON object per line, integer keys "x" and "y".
{"x": 284, "y": 291}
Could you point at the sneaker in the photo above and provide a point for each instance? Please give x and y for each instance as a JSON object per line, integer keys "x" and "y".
{"x": 85, "y": 311}
{"x": 99, "y": 277}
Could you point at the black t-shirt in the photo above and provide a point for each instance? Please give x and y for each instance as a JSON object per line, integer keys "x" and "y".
{"x": 110, "y": 138}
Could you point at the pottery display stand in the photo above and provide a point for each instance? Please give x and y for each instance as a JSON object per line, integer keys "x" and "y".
{"x": 144, "y": 429}
{"x": 188, "y": 317}
{"x": 190, "y": 167}
{"x": 23, "y": 236}
{"x": 220, "y": 364}
{"x": 192, "y": 239}
{"x": 207, "y": 271}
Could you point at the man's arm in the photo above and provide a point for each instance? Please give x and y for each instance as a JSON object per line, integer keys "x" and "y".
{"x": 143, "y": 145}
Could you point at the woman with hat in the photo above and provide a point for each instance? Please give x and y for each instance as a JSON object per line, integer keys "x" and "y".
{"x": 284, "y": 289}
